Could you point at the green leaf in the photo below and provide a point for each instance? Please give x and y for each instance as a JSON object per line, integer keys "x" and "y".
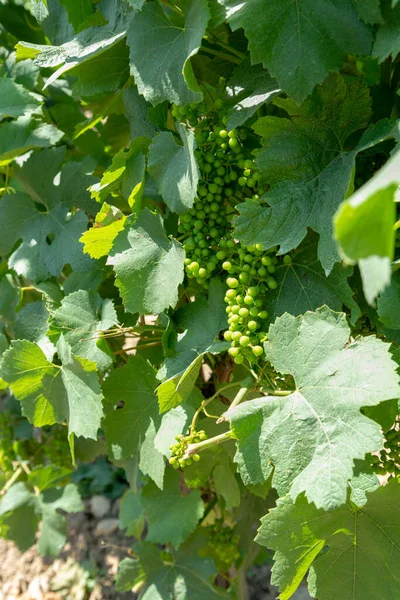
{"x": 125, "y": 175}
{"x": 41, "y": 218}
{"x": 20, "y": 510}
{"x": 131, "y": 513}
{"x": 160, "y": 52}
{"x": 53, "y": 534}
{"x": 78, "y": 11}
{"x": 15, "y": 100}
{"x": 88, "y": 43}
{"x": 104, "y": 73}
{"x": 32, "y": 324}
{"x": 9, "y": 299}
{"x": 351, "y": 535}
{"x": 98, "y": 240}
{"x": 226, "y": 484}
{"x": 369, "y": 10}
{"x": 148, "y": 265}
{"x": 323, "y": 32}
{"x": 48, "y": 476}
{"x": 364, "y": 227}
{"x": 81, "y": 318}
{"x": 23, "y": 134}
{"x": 136, "y": 111}
{"x": 201, "y": 323}
{"x": 171, "y": 516}
{"x": 307, "y": 192}
{"x": 175, "y": 169}
{"x": 19, "y": 516}
{"x": 184, "y": 574}
{"x": 176, "y": 390}
{"x": 51, "y": 394}
{"x": 312, "y": 437}
{"x": 389, "y": 304}
{"x": 252, "y": 86}
{"x": 304, "y": 286}
{"x": 126, "y": 427}
{"x": 387, "y": 41}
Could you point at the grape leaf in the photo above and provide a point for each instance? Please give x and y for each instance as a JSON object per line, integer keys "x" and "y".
{"x": 103, "y": 73}
{"x": 23, "y": 134}
{"x": 389, "y": 303}
{"x": 174, "y": 391}
{"x": 20, "y": 510}
{"x": 78, "y": 11}
{"x": 125, "y": 427}
{"x": 251, "y": 87}
{"x": 186, "y": 574}
{"x": 131, "y": 513}
{"x": 125, "y": 175}
{"x": 53, "y": 534}
{"x": 136, "y": 111}
{"x": 49, "y": 393}
{"x": 303, "y": 285}
{"x": 15, "y": 100}
{"x": 364, "y": 227}
{"x": 200, "y": 322}
{"x": 175, "y": 169}
{"x": 160, "y": 52}
{"x": 80, "y": 318}
{"x": 387, "y": 40}
{"x": 19, "y": 516}
{"x": 298, "y": 42}
{"x": 304, "y": 162}
{"x": 369, "y": 10}
{"x": 89, "y": 42}
{"x": 50, "y": 235}
{"x": 312, "y": 437}
{"x": 32, "y": 324}
{"x": 98, "y": 240}
{"x": 171, "y": 517}
{"x": 351, "y": 534}
{"x": 148, "y": 265}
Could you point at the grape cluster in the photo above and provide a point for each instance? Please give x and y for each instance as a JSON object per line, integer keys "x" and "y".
{"x": 179, "y": 449}
{"x": 250, "y": 271}
{"x": 7, "y": 454}
{"x": 223, "y": 544}
{"x": 388, "y": 460}
{"x": 227, "y": 177}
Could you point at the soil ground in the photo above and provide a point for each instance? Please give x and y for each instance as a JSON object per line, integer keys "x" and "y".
{"x": 87, "y": 567}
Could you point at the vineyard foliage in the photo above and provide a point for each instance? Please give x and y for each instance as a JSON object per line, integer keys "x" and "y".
{"x": 199, "y": 280}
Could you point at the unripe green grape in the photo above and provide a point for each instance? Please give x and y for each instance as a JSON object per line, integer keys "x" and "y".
{"x": 233, "y": 352}
{"x": 266, "y": 261}
{"x": 263, "y": 314}
{"x": 272, "y": 283}
{"x": 252, "y": 325}
{"x": 253, "y": 291}
{"x": 257, "y": 350}
{"x": 244, "y": 340}
{"x": 287, "y": 259}
{"x": 231, "y": 294}
{"x": 243, "y": 277}
{"x": 253, "y": 311}
{"x": 242, "y": 181}
{"x": 196, "y": 457}
{"x": 238, "y": 359}
{"x": 243, "y": 312}
{"x": 236, "y": 335}
{"x": 228, "y": 336}
{"x": 232, "y": 282}
{"x": 248, "y": 300}
{"x": 227, "y": 265}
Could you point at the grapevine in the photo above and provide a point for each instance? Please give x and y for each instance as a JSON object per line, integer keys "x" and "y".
{"x": 199, "y": 288}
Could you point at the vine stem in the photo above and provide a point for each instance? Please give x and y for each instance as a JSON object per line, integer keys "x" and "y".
{"x": 223, "y": 55}
{"x": 200, "y": 446}
{"x": 206, "y": 402}
{"x": 12, "y": 480}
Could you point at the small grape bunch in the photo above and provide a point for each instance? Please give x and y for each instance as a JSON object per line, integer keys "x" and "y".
{"x": 224, "y": 544}
{"x": 250, "y": 271}
{"x": 179, "y": 449}
{"x": 388, "y": 460}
